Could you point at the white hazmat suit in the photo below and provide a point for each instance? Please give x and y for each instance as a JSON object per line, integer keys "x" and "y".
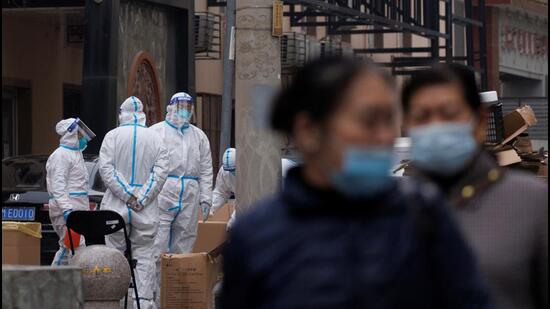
{"x": 133, "y": 164}
{"x": 189, "y": 183}
{"x": 286, "y": 165}
{"x": 226, "y": 179}
{"x": 67, "y": 182}
{"x": 225, "y": 183}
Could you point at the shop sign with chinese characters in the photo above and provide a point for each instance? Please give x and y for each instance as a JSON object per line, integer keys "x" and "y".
{"x": 523, "y": 42}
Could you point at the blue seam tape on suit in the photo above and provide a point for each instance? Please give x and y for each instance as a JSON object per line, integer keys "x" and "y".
{"x": 170, "y": 124}
{"x": 174, "y": 126}
{"x": 148, "y": 187}
{"x": 69, "y": 147}
{"x": 184, "y": 177}
{"x": 66, "y": 214}
{"x": 122, "y": 185}
{"x": 135, "y": 104}
{"x": 180, "y": 203}
{"x": 61, "y": 257}
{"x": 134, "y": 151}
{"x": 78, "y": 193}
{"x": 133, "y": 125}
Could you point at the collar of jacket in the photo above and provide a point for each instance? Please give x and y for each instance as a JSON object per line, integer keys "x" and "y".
{"x": 303, "y": 198}
{"x": 477, "y": 177}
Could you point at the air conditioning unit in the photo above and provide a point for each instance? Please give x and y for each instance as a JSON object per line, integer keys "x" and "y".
{"x": 313, "y": 49}
{"x": 204, "y": 32}
{"x": 293, "y": 50}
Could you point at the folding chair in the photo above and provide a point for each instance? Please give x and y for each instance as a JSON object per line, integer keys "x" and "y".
{"x": 94, "y": 226}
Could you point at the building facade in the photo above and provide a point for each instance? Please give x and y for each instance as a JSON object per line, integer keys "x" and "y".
{"x": 82, "y": 58}
{"x": 54, "y": 67}
{"x": 518, "y": 32}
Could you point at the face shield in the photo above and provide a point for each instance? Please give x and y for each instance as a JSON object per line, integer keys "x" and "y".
{"x": 82, "y": 128}
{"x": 183, "y": 107}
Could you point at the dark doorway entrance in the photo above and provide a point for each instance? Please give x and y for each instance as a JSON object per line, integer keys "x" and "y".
{"x": 16, "y": 119}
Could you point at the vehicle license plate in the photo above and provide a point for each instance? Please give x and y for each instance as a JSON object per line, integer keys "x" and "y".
{"x": 18, "y": 213}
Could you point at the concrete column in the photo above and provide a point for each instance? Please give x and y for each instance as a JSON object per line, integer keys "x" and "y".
{"x": 28, "y": 287}
{"x": 257, "y": 66}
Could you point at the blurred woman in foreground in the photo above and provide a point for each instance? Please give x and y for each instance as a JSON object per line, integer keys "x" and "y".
{"x": 342, "y": 233}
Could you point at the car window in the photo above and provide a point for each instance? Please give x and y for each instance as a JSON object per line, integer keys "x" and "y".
{"x": 24, "y": 174}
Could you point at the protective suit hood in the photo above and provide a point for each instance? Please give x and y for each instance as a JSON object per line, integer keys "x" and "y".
{"x": 68, "y": 139}
{"x": 131, "y": 112}
{"x": 229, "y": 159}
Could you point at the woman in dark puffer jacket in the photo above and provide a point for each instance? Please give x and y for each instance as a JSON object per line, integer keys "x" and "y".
{"x": 343, "y": 233}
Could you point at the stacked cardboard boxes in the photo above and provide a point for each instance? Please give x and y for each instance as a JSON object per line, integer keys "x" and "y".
{"x": 516, "y": 149}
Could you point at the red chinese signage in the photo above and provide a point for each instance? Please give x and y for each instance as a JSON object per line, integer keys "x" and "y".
{"x": 523, "y": 41}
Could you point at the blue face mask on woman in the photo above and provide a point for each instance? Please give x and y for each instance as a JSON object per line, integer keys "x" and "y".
{"x": 82, "y": 143}
{"x": 443, "y": 148}
{"x": 365, "y": 172}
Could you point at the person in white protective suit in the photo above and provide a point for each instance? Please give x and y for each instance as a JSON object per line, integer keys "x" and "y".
{"x": 67, "y": 180}
{"x": 226, "y": 179}
{"x": 225, "y": 183}
{"x": 188, "y": 188}
{"x": 134, "y": 164}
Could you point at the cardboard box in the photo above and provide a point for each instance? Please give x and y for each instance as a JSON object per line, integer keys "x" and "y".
{"x": 507, "y": 157}
{"x": 21, "y": 243}
{"x": 223, "y": 214}
{"x": 210, "y": 235}
{"x": 517, "y": 122}
{"x": 523, "y": 144}
{"x": 187, "y": 280}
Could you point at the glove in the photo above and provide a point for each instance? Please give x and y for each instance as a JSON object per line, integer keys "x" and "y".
{"x": 205, "y": 208}
{"x": 133, "y": 204}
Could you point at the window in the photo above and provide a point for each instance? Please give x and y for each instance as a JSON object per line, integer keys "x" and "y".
{"x": 312, "y": 31}
{"x": 210, "y": 123}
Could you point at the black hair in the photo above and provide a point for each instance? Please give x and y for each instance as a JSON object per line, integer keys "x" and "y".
{"x": 317, "y": 89}
{"x": 440, "y": 74}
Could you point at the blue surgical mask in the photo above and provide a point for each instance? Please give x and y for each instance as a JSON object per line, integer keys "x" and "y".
{"x": 82, "y": 143}
{"x": 185, "y": 114}
{"x": 444, "y": 148}
{"x": 365, "y": 172}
